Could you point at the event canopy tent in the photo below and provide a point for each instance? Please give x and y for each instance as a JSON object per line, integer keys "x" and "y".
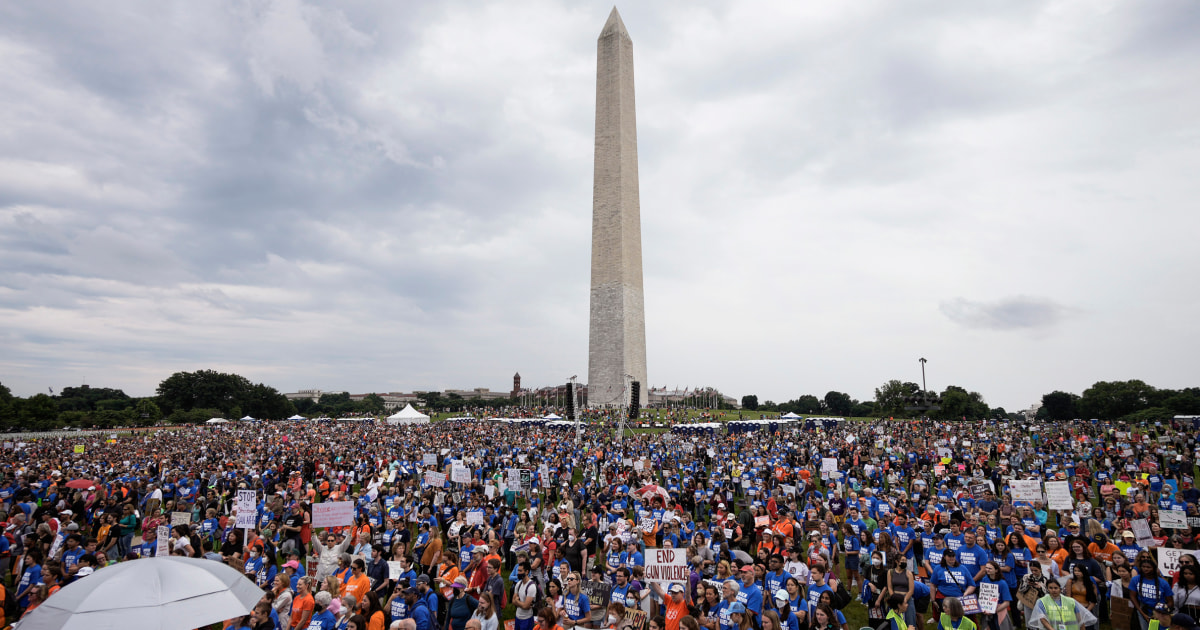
{"x": 249, "y": 418}
{"x": 297, "y": 417}
{"x": 552, "y": 416}
{"x": 408, "y": 415}
{"x": 790, "y": 416}
{"x": 216, "y": 421}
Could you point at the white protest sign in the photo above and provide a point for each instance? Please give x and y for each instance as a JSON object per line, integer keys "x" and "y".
{"x": 1168, "y": 560}
{"x": 429, "y": 459}
{"x": 829, "y": 464}
{"x": 1173, "y": 519}
{"x": 460, "y": 474}
{"x": 474, "y": 517}
{"x": 989, "y": 597}
{"x": 247, "y": 508}
{"x": 333, "y": 514}
{"x": 395, "y": 568}
{"x": 1026, "y": 490}
{"x": 1058, "y": 496}
{"x": 392, "y": 476}
{"x": 1141, "y": 531}
{"x": 435, "y": 479}
{"x": 667, "y": 566}
{"x": 180, "y": 518}
{"x": 789, "y": 490}
{"x": 490, "y": 491}
{"x": 637, "y": 465}
{"x": 163, "y": 548}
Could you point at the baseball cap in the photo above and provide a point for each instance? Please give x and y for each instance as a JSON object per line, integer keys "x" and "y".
{"x": 737, "y": 607}
{"x": 1182, "y": 620}
{"x": 676, "y": 588}
{"x": 1127, "y": 534}
{"x": 747, "y": 567}
{"x": 782, "y": 595}
{"x": 422, "y": 579}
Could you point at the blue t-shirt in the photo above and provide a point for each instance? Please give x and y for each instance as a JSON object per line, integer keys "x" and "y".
{"x": 1150, "y": 592}
{"x": 323, "y": 620}
{"x": 576, "y": 606}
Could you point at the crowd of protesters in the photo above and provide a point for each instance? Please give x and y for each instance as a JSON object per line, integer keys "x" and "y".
{"x": 899, "y": 523}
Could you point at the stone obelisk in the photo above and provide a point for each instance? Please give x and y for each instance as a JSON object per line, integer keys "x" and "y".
{"x": 617, "y": 344}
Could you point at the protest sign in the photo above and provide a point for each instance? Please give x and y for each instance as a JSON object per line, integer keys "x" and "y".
{"x": 333, "y": 514}
{"x": 79, "y": 448}
{"x": 1168, "y": 560}
{"x": 598, "y": 593}
{"x": 490, "y": 492}
{"x": 978, "y": 489}
{"x": 789, "y": 490}
{"x": 435, "y": 479}
{"x": 667, "y": 566}
{"x": 429, "y": 459}
{"x": 1121, "y": 612}
{"x": 989, "y": 597}
{"x": 526, "y": 479}
{"x": 180, "y": 518}
{"x": 829, "y": 464}
{"x": 1141, "y": 531}
{"x": 1058, "y": 495}
{"x": 247, "y": 509}
{"x": 1026, "y": 490}
{"x": 474, "y": 517}
{"x": 395, "y": 568}
{"x": 163, "y": 547}
{"x": 635, "y": 619}
{"x": 970, "y": 605}
{"x": 1173, "y": 519}
{"x": 762, "y": 521}
{"x": 460, "y": 474}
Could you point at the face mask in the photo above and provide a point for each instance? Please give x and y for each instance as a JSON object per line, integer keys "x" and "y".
{"x": 875, "y": 562}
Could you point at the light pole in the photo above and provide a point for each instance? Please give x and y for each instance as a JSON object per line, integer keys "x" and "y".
{"x": 922, "y": 360}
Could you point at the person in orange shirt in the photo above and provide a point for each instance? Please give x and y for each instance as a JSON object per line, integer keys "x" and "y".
{"x": 1102, "y": 548}
{"x": 676, "y": 604}
{"x": 358, "y": 583}
{"x": 447, "y": 575}
{"x": 302, "y": 604}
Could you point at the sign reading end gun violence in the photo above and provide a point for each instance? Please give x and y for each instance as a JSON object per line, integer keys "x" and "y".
{"x": 667, "y": 566}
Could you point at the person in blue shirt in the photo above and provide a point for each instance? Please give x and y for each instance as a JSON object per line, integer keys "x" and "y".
{"x": 972, "y": 556}
{"x": 776, "y": 578}
{"x": 787, "y": 619}
{"x": 992, "y": 575}
{"x": 723, "y": 613}
{"x": 632, "y": 557}
{"x": 577, "y": 608}
{"x": 750, "y": 594}
{"x": 322, "y": 618}
{"x": 1149, "y": 589}
{"x": 950, "y": 578}
{"x": 30, "y": 579}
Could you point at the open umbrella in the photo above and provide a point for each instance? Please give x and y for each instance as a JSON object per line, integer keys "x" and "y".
{"x": 165, "y": 593}
{"x": 80, "y": 484}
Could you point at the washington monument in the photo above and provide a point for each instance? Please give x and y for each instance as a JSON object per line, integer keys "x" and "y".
{"x": 617, "y": 344}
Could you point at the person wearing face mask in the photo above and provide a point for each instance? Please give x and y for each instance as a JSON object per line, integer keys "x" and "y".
{"x": 574, "y": 551}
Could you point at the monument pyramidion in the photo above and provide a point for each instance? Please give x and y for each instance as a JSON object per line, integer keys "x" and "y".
{"x": 617, "y": 334}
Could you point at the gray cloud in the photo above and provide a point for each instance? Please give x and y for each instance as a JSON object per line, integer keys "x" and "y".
{"x": 1013, "y": 313}
{"x": 389, "y": 195}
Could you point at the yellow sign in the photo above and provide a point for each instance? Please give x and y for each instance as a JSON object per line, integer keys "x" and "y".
{"x": 78, "y": 448}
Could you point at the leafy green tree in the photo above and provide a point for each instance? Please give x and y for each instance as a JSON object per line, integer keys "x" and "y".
{"x": 204, "y": 388}
{"x": 750, "y": 402}
{"x": 147, "y": 411}
{"x": 8, "y": 412}
{"x": 38, "y": 413}
{"x": 957, "y": 403}
{"x": 807, "y": 404}
{"x": 373, "y": 404}
{"x": 864, "y": 409}
{"x": 889, "y": 397}
{"x": 1184, "y": 402}
{"x": 1116, "y": 399}
{"x": 1060, "y": 406}
{"x": 838, "y": 403}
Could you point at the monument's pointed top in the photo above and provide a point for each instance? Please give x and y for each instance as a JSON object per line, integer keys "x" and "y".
{"x": 614, "y": 24}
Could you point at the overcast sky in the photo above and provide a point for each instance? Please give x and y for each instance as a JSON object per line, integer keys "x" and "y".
{"x": 385, "y": 196}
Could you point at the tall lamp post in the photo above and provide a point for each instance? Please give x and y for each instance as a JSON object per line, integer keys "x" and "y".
{"x": 922, "y": 360}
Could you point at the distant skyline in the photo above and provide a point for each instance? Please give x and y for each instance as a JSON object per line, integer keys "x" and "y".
{"x": 388, "y": 196}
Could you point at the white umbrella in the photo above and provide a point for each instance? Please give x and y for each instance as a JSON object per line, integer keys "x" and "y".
{"x": 165, "y": 593}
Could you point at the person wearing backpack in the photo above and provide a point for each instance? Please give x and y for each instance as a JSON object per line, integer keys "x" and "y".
{"x": 525, "y": 596}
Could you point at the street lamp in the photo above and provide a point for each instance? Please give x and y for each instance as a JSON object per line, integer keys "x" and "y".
{"x": 922, "y": 360}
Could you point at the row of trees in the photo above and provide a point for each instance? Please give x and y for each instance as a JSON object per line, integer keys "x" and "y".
{"x": 1114, "y": 400}
{"x": 892, "y": 399}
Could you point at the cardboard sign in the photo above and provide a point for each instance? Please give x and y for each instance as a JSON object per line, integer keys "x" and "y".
{"x": 762, "y": 521}
{"x": 460, "y": 474}
{"x": 247, "y": 508}
{"x": 395, "y": 568}
{"x": 474, "y": 517}
{"x": 1141, "y": 531}
{"x": 333, "y": 514}
{"x": 1029, "y": 490}
{"x": 989, "y": 597}
{"x": 1058, "y": 495}
{"x": 181, "y": 518}
{"x": 429, "y": 459}
{"x": 163, "y": 541}
{"x": 79, "y": 448}
{"x": 598, "y": 593}
{"x": 435, "y": 479}
{"x": 1173, "y": 519}
{"x": 667, "y": 566}
{"x": 1168, "y": 561}
{"x": 635, "y": 619}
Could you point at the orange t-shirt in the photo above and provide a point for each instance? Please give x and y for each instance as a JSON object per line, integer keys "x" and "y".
{"x": 300, "y": 604}
{"x": 675, "y": 612}
{"x": 357, "y": 586}
{"x": 376, "y": 622}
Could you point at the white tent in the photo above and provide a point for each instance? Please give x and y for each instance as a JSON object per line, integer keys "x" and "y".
{"x": 216, "y": 421}
{"x": 553, "y": 416}
{"x": 297, "y": 417}
{"x": 790, "y": 416}
{"x": 249, "y": 419}
{"x": 408, "y": 415}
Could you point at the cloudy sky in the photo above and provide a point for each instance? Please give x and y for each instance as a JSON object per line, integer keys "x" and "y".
{"x": 386, "y": 196}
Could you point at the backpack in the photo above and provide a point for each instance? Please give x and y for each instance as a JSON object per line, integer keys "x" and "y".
{"x": 841, "y": 597}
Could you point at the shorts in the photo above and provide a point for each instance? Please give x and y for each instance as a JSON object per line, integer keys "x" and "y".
{"x": 851, "y": 563}
{"x": 921, "y": 604}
